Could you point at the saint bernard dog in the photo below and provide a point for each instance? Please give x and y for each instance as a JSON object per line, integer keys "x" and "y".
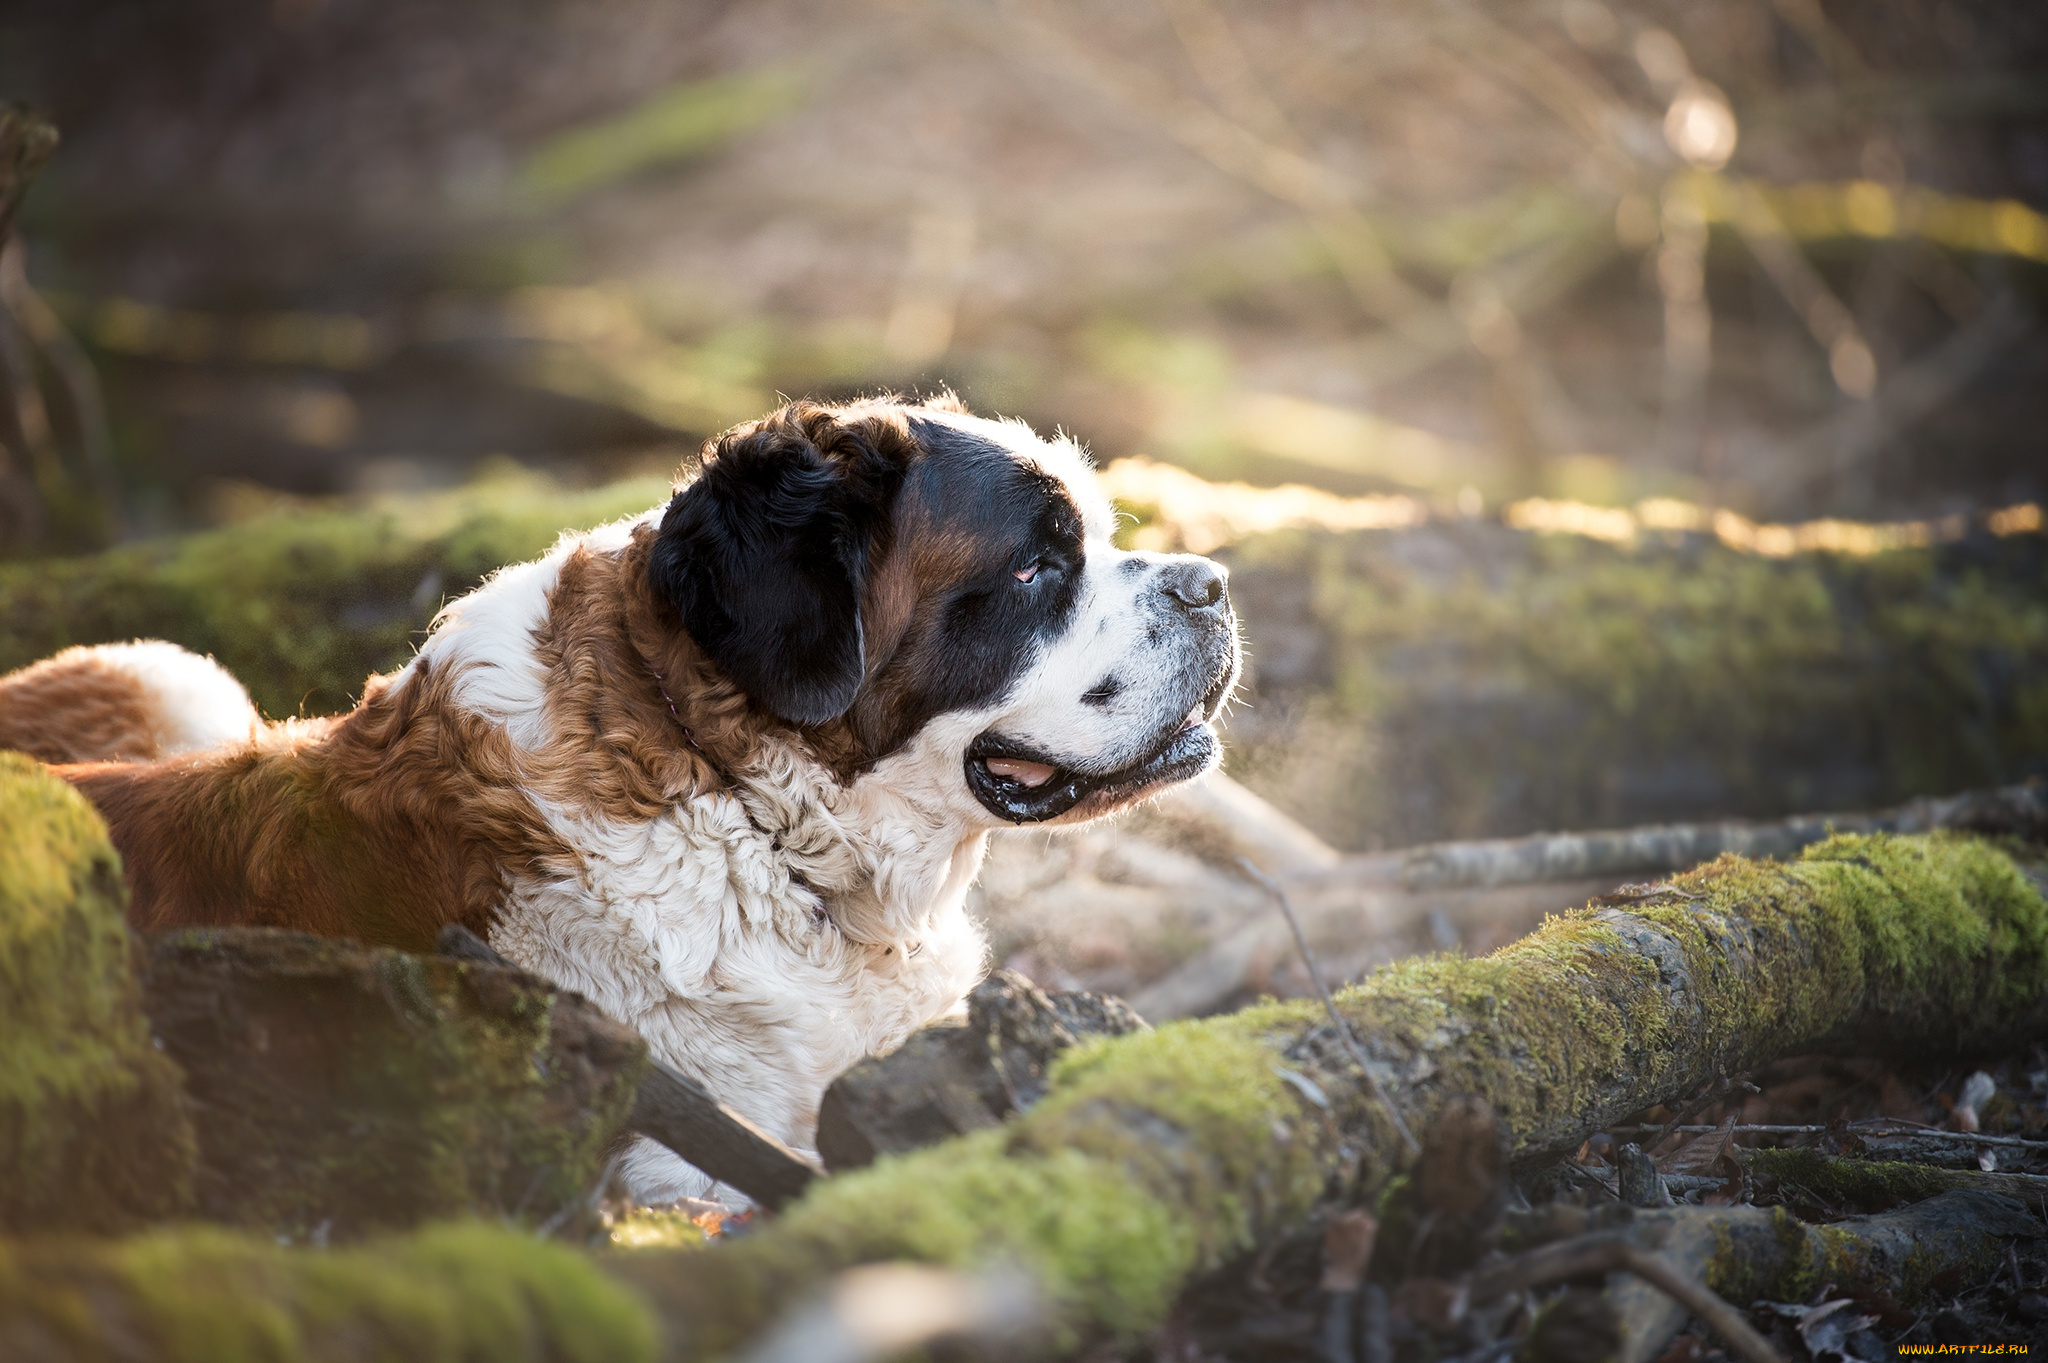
{"x": 727, "y": 768}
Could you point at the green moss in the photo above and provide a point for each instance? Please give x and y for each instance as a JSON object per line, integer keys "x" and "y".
{"x": 1941, "y": 917}
{"x": 1849, "y": 1184}
{"x": 1480, "y": 682}
{"x": 301, "y": 605}
{"x": 658, "y": 1228}
{"x": 1153, "y": 1157}
{"x": 92, "y": 1125}
{"x": 1763, "y": 1255}
{"x": 1907, "y": 1255}
{"x": 1803, "y": 1255}
{"x": 466, "y": 1292}
{"x": 1932, "y": 941}
{"x": 390, "y": 1088}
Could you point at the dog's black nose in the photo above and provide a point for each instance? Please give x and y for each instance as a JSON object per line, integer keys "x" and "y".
{"x": 1194, "y": 582}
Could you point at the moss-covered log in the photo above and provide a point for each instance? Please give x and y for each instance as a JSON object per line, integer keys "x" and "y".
{"x": 1911, "y": 1257}
{"x": 342, "y": 1089}
{"x": 1840, "y": 1183}
{"x": 1473, "y": 681}
{"x": 300, "y": 604}
{"x": 453, "y": 1294}
{"x": 1946, "y": 1242}
{"x": 93, "y": 1132}
{"x": 1158, "y": 1155}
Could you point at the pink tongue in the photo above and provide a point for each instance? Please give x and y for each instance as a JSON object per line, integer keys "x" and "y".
{"x": 1023, "y": 773}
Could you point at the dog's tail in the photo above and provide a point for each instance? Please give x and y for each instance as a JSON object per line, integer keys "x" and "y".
{"x": 122, "y": 703}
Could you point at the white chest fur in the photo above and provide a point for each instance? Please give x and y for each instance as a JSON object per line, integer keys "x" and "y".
{"x": 692, "y": 929}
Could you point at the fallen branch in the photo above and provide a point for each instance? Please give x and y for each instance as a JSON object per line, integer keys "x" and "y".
{"x": 2019, "y": 809}
{"x": 1384, "y": 895}
{"x": 1613, "y": 1252}
{"x": 1874, "y": 1127}
{"x": 1876, "y": 1183}
{"x": 1749, "y": 1254}
{"x": 949, "y": 1079}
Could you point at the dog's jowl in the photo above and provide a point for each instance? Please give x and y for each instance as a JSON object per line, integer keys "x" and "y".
{"x": 727, "y": 767}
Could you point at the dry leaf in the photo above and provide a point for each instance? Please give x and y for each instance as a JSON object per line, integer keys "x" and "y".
{"x": 1347, "y": 1249}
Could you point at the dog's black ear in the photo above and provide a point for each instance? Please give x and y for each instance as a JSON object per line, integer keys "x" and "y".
{"x": 765, "y": 554}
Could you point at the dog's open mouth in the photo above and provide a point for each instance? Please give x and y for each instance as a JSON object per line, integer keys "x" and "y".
{"x": 1023, "y": 786}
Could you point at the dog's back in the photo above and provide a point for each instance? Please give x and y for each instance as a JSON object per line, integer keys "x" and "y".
{"x": 383, "y": 825}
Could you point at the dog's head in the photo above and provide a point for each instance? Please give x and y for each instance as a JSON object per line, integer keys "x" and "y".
{"x": 923, "y": 579}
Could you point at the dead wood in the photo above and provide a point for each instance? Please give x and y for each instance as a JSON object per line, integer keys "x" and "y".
{"x": 1613, "y": 1252}
{"x": 1156, "y": 1156}
{"x": 1162, "y": 1154}
{"x": 1385, "y": 896}
{"x": 1225, "y": 821}
{"x": 954, "y": 1078}
{"x": 1842, "y": 1183}
{"x": 682, "y": 1114}
{"x": 338, "y": 1090}
{"x": 1707, "y": 1261}
{"x": 1748, "y": 1254}
{"x": 2021, "y": 810}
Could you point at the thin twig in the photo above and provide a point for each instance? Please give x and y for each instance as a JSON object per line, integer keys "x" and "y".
{"x": 1337, "y": 1019}
{"x": 1606, "y": 1252}
{"x": 1712, "y": 1093}
{"x": 1877, "y": 1126}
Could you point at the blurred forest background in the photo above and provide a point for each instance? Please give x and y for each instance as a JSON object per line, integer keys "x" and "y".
{"x": 1658, "y": 388}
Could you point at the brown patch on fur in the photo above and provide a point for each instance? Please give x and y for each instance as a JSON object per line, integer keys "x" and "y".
{"x": 639, "y": 718}
{"x": 617, "y": 661}
{"x": 77, "y": 707}
{"x": 384, "y": 825}
{"x": 924, "y": 560}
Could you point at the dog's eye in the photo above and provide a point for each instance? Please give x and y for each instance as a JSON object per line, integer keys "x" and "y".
{"x": 1028, "y": 571}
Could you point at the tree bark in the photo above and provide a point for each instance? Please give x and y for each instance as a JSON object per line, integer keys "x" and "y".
{"x": 1846, "y": 1184}
{"x": 339, "y": 1090}
{"x": 1747, "y": 1254}
{"x": 950, "y": 1079}
{"x": 684, "y": 1116}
